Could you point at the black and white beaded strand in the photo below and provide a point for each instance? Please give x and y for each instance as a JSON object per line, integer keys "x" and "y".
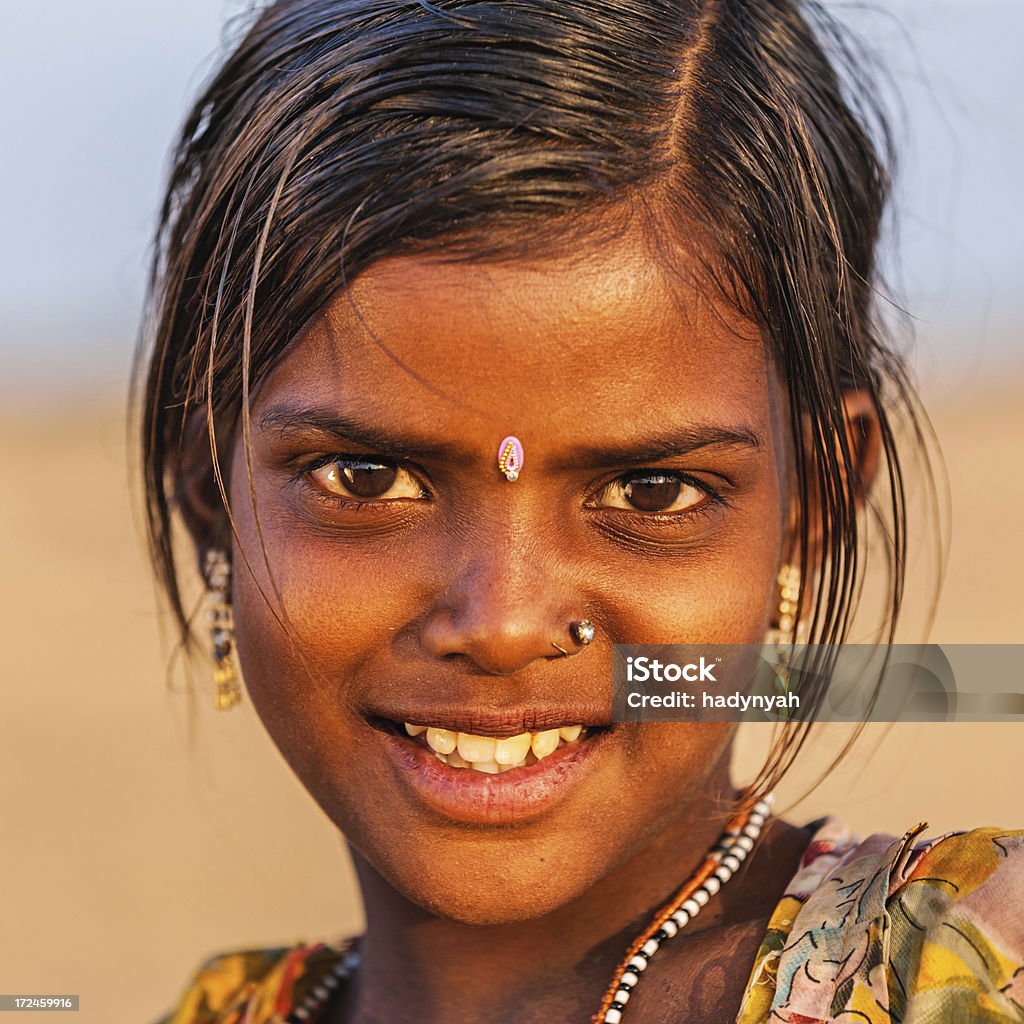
{"x": 310, "y": 1007}
{"x": 730, "y": 852}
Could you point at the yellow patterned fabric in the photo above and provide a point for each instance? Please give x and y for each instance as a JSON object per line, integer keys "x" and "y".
{"x": 884, "y": 931}
{"x": 892, "y": 931}
{"x": 259, "y": 986}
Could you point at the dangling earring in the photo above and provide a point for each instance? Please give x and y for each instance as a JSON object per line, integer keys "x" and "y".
{"x": 222, "y": 629}
{"x": 783, "y": 636}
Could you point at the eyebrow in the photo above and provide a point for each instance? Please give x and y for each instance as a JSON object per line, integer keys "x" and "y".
{"x": 287, "y": 420}
{"x": 681, "y": 441}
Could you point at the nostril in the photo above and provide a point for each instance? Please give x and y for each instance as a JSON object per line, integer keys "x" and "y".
{"x": 495, "y": 635}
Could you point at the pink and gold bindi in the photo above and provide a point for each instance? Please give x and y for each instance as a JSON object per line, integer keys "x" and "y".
{"x": 511, "y": 458}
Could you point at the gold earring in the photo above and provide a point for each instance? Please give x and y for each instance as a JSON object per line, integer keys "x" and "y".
{"x": 787, "y": 632}
{"x": 789, "y": 596}
{"x": 222, "y": 629}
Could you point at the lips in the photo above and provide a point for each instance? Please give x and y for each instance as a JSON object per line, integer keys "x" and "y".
{"x": 495, "y": 777}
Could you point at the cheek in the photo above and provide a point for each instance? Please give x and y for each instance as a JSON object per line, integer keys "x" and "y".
{"x": 673, "y": 763}
{"x": 299, "y": 678}
{"x": 723, "y": 592}
{"x": 333, "y": 600}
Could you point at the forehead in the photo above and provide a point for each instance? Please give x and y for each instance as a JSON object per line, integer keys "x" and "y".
{"x": 605, "y": 336}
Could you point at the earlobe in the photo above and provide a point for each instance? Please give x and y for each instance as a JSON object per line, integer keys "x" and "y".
{"x": 198, "y": 496}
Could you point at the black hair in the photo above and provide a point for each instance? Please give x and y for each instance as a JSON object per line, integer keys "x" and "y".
{"x": 338, "y": 132}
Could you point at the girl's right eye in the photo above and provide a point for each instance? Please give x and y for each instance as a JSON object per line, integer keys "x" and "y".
{"x": 364, "y": 480}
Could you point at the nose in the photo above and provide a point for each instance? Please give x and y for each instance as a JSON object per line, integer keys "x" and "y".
{"x": 509, "y": 604}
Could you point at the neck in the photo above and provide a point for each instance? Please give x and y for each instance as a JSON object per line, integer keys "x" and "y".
{"x": 418, "y": 966}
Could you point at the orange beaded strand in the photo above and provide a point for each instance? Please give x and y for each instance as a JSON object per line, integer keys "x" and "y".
{"x": 732, "y": 848}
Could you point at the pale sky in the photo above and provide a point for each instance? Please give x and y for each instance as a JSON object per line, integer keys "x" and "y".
{"x": 92, "y": 93}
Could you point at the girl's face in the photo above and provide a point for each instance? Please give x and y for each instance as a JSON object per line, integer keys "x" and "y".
{"x": 419, "y": 585}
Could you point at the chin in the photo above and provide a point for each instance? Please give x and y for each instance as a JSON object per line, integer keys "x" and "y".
{"x": 492, "y": 881}
{"x": 506, "y": 903}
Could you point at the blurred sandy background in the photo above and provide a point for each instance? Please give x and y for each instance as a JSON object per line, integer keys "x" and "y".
{"x": 141, "y": 831}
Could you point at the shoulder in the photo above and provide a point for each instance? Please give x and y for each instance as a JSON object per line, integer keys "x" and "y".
{"x": 956, "y": 921}
{"x": 897, "y": 929}
{"x": 258, "y": 986}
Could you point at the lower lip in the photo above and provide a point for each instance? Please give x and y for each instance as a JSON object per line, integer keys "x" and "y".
{"x": 466, "y": 795}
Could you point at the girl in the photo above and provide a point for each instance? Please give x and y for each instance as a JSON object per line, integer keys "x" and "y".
{"x": 484, "y": 336}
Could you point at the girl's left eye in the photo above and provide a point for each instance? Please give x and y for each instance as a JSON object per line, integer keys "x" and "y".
{"x": 652, "y": 492}
{"x": 365, "y": 480}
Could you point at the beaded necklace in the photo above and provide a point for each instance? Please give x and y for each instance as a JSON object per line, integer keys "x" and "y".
{"x": 722, "y": 862}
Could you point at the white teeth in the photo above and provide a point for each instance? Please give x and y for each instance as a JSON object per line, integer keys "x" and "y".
{"x": 512, "y": 750}
{"x": 489, "y": 755}
{"x": 476, "y": 748}
{"x": 441, "y": 740}
{"x": 544, "y": 743}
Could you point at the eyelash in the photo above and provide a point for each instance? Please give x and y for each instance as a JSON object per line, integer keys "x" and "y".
{"x": 714, "y": 497}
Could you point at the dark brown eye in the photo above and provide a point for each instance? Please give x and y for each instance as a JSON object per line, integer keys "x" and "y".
{"x": 651, "y": 492}
{"x": 363, "y": 479}
{"x": 368, "y": 479}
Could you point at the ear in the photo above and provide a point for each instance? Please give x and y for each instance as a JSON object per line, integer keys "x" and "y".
{"x": 864, "y": 436}
{"x": 199, "y": 499}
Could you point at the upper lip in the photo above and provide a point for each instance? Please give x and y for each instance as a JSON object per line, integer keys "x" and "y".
{"x": 496, "y": 722}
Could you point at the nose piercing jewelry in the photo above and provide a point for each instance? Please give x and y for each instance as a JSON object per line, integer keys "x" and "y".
{"x": 583, "y": 632}
{"x": 511, "y": 458}
{"x": 565, "y": 653}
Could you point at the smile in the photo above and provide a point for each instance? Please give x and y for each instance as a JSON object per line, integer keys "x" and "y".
{"x": 492, "y": 755}
{"x": 488, "y": 766}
